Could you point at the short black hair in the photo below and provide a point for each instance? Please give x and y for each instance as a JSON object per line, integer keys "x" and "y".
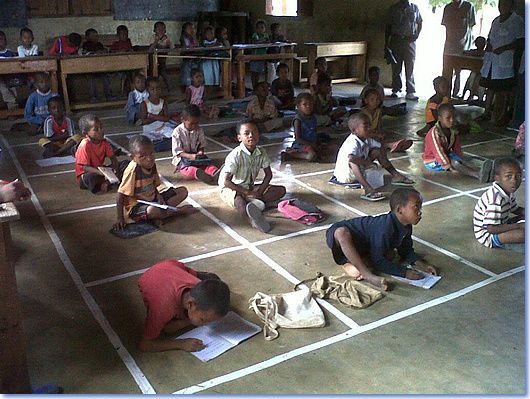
{"x": 324, "y": 79}
{"x": 87, "y": 121}
{"x": 41, "y": 75}
{"x": 439, "y": 79}
{"x": 26, "y": 30}
{"x": 275, "y": 26}
{"x": 209, "y": 27}
{"x": 158, "y": 23}
{"x": 89, "y": 31}
{"x": 151, "y": 79}
{"x": 75, "y": 39}
{"x": 196, "y": 70}
{"x": 401, "y": 197}
{"x": 211, "y": 294}
{"x": 303, "y": 96}
{"x": 219, "y": 30}
{"x": 502, "y": 162}
{"x": 371, "y": 91}
{"x": 56, "y": 99}
{"x": 281, "y": 65}
{"x": 354, "y": 120}
{"x": 137, "y": 141}
{"x": 262, "y": 83}
{"x": 445, "y": 108}
{"x": 244, "y": 122}
{"x": 260, "y": 22}
{"x": 138, "y": 75}
{"x": 121, "y": 28}
{"x": 319, "y": 60}
{"x": 192, "y": 111}
{"x": 2, "y": 33}
{"x": 374, "y": 68}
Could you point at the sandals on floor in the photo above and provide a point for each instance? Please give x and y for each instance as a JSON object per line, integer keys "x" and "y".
{"x": 373, "y": 196}
{"x": 406, "y": 182}
{"x": 333, "y": 180}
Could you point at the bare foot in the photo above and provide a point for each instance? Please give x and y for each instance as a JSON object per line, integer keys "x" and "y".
{"x": 379, "y": 282}
{"x": 352, "y": 271}
{"x": 187, "y": 210}
{"x": 104, "y": 187}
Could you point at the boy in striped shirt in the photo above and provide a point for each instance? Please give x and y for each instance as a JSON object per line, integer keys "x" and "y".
{"x": 492, "y": 224}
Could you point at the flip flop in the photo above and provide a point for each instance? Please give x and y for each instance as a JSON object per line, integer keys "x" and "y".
{"x": 401, "y": 145}
{"x": 406, "y": 182}
{"x": 333, "y": 180}
{"x": 256, "y": 218}
{"x": 373, "y": 196}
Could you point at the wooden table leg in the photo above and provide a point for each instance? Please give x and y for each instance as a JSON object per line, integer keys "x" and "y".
{"x": 65, "y": 93}
{"x": 447, "y": 70}
{"x": 226, "y": 77}
{"x": 155, "y": 64}
{"x": 14, "y": 377}
{"x": 241, "y": 79}
{"x": 54, "y": 82}
{"x": 311, "y": 58}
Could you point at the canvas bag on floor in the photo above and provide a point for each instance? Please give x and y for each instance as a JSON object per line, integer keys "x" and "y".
{"x": 297, "y": 309}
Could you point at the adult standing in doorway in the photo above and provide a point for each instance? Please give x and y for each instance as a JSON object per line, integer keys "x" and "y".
{"x": 403, "y": 26}
{"x": 458, "y": 19}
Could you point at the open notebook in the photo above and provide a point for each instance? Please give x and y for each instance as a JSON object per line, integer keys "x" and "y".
{"x": 222, "y": 335}
{"x": 427, "y": 281}
{"x": 109, "y": 174}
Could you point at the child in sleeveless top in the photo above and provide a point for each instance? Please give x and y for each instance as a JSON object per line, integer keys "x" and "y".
{"x": 154, "y": 113}
{"x": 195, "y": 94}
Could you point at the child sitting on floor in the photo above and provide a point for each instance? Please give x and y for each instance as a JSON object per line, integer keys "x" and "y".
{"x": 237, "y": 177}
{"x": 59, "y": 135}
{"x": 307, "y": 145}
{"x": 91, "y": 154}
{"x": 161, "y": 41}
{"x": 324, "y": 103}
{"x": 373, "y": 109}
{"x": 36, "y": 110}
{"x": 373, "y": 83}
{"x": 261, "y": 110}
{"x": 492, "y": 224}
{"x": 282, "y": 88}
{"x": 443, "y": 151}
{"x": 260, "y": 36}
{"x": 177, "y": 297}
{"x": 441, "y": 96}
{"x": 27, "y": 48}
{"x": 123, "y": 43}
{"x": 195, "y": 94}
{"x": 188, "y": 147}
{"x": 140, "y": 181}
{"x": 321, "y": 66}
{"x": 136, "y": 97}
{"x": 377, "y": 238}
{"x": 92, "y": 45}
{"x": 66, "y": 45}
{"x": 154, "y": 113}
{"x": 358, "y": 153}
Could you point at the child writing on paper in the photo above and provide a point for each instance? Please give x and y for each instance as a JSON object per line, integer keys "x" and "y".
{"x": 140, "y": 181}
{"x": 355, "y": 241}
{"x": 135, "y": 99}
{"x": 239, "y": 173}
{"x": 177, "y": 297}
{"x": 66, "y": 44}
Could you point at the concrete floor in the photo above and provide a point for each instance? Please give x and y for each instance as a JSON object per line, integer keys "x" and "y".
{"x": 83, "y": 313}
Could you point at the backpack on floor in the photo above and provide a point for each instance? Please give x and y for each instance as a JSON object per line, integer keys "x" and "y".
{"x": 302, "y": 211}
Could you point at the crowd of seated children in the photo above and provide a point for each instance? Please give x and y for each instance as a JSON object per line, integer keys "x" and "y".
{"x": 441, "y": 96}
{"x": 140, "y": 181}
{"x": 195, "y": 94}
{"x": 325, "y": 106}
{"x": 358, "y": 153}
{"x": 262, "y": 111}
{"x": 282, "y": 88}
{"x": 307, "y": 144}
{"x": 492, "y": 224}
{"x": 373, "y": 109}
{"x": 210, "y": 68}
{"x": 188, "y": 39}
{"x": 177, "y": 297}
{"x": 59, "y": 133}
{"x": 66, "y": 45}
{"x": 373, "y": 240}
{"x": 162, "y": 41}
{"x": 27, "y": 48}
{"x": 443, "y": 151}
{"x": 36, "y": 109}
{"x": 188, "y": 144}
{"x": 238, "y": 176}
{"x": 135, "y": 98}
{"x": 472, "y": 82}
{"x": 321, "y": 68}
{"x": 92, "y": 45}
{"x": 154, "y": 112}
{"x": 8, "y": 95}
{"x": 260, "y": 36}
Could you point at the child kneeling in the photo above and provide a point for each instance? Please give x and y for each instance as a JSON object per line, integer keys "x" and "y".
{"x": 239, "y": 173}
{"x": 353, "y": 240}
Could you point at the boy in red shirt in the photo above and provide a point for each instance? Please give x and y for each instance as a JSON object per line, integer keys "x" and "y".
{"x": 66, "y": 44}
{"x": 123, "y": 43}
{"x": 177, "y": 297}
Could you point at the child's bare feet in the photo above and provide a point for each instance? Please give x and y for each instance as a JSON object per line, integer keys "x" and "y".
{"x": 187, "y": 210}
{"x": 352, "y": 271}
{"x": 379, "y": 282}
{"x": 104, "y": 187}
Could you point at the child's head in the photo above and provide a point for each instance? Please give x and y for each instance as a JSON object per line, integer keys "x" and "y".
{"x": 56, "y": 107}
{"x": 3, "y": 41}
{"x": 139, "y": 81}
{"x": 197, "y": 77}
{"x": 248, "y": 134}
{"x": 324, "y": 84}
{"x": 159, "y": 28}
{"x": 74, "y": 39}
{"x": 373, "y": 74}
{"x": 90, "y": 126}
{"x": 26, "y": 37}
{"x": 221, "y": 33}
{"x": 321, "y": 64}
{"x": 42, "y": 82}
{"x": 406, "y": 203}
{"x": 142, "y": 151}
{"x": 480, "y": 42}
{"x": 304, "y": 104}
{"x": 282, "y": 70}
{"x": 359, "y": 124}
{"x": 188, "y": 29}
{"x": 507, "y": 173}
{"x": 276, "y": 29}
{"x": 152, "y": 85}
{"x": 441, "y": 85}
{"x": 209, "y": 33}
{"x": 208, "y": 301}
{"x": 91, "y": 35}
{"x": 261, "y": 90}
{"x": 446, "y": 115}
{"x": 190, "y": 116}
{"x": 372, "y": 99}
{"x": 122, "y": 32}
{"x": 506, "y": 6}
{"x": 260, "y": 26}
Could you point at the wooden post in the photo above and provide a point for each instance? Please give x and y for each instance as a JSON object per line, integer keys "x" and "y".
{"x": 65, "y": 93}
{"x": 311, "y": 57}
{"x": 155, "y": 64}
{"x": 226, "y": 77}
{"x": 14, "y": 377}
{"x": 240, "y": 75}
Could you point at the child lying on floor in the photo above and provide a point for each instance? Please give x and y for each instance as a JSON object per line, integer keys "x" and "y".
{"x": 352, "y": 241}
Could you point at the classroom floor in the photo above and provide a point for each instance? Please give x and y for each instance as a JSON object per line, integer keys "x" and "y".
{"x": 83, "y": 313}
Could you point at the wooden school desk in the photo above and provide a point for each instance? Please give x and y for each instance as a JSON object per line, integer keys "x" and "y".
{"x": 201, "y": 53}
{"x": 240, "y": 58}
{"x": 97, "y": 63}
{"x": 459, "y": 61}
{"x": 354, "y": 52}
{"x": 19, "y": 65}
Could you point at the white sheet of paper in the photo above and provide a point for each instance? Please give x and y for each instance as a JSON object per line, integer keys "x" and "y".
{"x": 44, "y": 163}
{"x": 109, "y": 174}
{"x": 277, "y": 135}
{"x": 426, "y": 282}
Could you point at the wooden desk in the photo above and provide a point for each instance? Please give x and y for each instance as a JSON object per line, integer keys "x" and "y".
{"x": 16, "y": 65}
{"x": 241, "y": 59}
{"x": 201, "y": 53}
{"x": 459, "y": 61}
{"x": 14, "y": 377}
{"x": 356, "y": 51}
{"x": 97, "y": 63}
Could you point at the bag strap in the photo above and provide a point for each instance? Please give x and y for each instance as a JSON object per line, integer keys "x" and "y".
{"x": 296, "y": 287}
{"x": 266, "y": 309}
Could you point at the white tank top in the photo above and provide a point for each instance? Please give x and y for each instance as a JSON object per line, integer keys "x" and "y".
{"x": 154, "y": 109}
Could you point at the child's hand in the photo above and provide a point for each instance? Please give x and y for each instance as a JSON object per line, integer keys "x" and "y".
{"x": 200, "y": 153}
{"x": 191, "y": 345}
{"x": 119, "y": 225}
{"x": 426, "y": 267}
{"x": 413, "y": 275}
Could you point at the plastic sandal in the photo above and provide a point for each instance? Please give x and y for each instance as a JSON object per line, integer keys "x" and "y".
{"x": 373, "y": 196}
{"x": 405, "y": 182}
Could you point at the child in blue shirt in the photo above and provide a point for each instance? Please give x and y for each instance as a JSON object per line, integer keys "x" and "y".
{"x": 136, "y": 97}
{"x": 36, "y": 110}
{"x": 352, "y": 241}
